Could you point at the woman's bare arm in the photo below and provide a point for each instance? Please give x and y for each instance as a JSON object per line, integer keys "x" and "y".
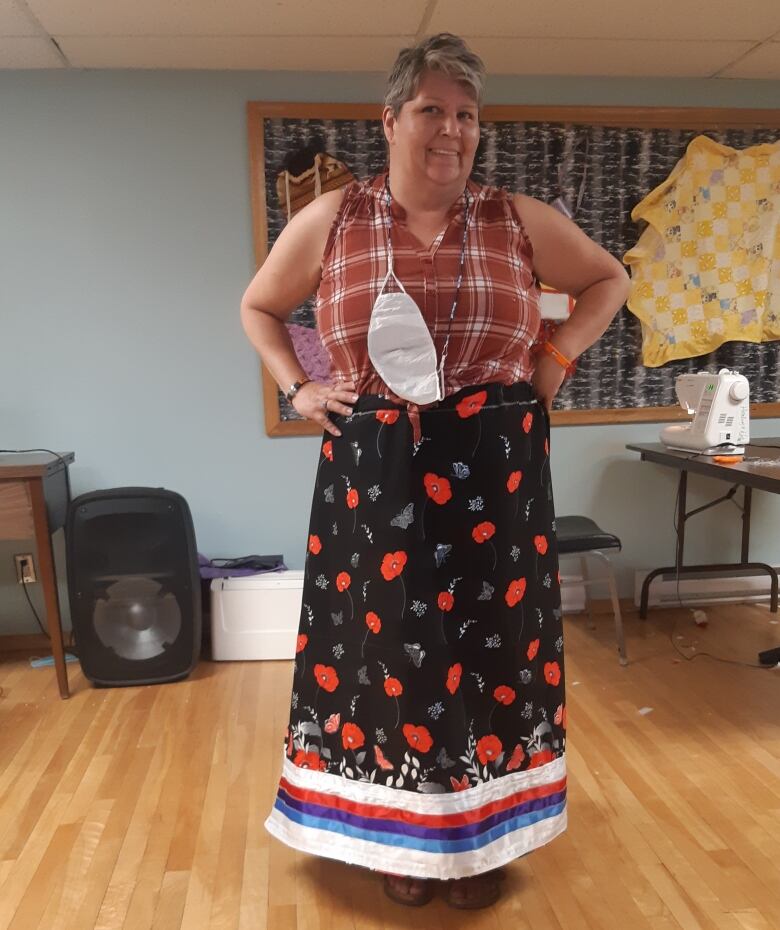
{"x": 569, "y": 261}
{"x": 289, "y": 275}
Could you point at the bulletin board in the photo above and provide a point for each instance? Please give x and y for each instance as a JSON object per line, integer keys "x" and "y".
{"x": 603, "y": 161}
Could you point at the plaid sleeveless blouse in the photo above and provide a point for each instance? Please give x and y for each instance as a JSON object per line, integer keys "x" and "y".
{"x": 497, "y": 316}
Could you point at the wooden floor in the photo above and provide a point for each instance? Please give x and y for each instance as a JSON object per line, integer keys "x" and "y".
{"x": 139, "y": 808}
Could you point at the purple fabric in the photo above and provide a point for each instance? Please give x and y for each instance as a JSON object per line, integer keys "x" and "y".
{"x": 208, "y": 570}
{"x": 310, "y": 351}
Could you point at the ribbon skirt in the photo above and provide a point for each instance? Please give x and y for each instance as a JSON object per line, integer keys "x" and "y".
{"x": 427, "y": 726}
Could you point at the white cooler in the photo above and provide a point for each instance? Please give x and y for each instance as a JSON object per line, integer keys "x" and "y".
{"x": 256, "y": 616}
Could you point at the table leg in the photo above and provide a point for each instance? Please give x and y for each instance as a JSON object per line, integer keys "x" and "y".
{"x": 682, "y": 493}
{"x": 49, "y": 582}
{"x": 747, "y": 501}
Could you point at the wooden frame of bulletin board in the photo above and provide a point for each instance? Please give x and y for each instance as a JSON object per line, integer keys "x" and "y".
{"x": 602, "y": 160}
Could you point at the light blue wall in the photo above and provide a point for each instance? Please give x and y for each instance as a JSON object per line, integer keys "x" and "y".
{"x": 125, "y": 246}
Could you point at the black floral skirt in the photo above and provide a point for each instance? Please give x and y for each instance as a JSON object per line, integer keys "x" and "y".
{"x": 428, "y": 721}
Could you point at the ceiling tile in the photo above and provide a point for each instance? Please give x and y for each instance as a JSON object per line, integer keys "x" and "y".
{"x": 301, "y": 53}
{"x": 763, "y": 62}
{"x": 605, "y": 57}
{"x": 240, "y": 18}
{"x": 609, "y": 19}
{"x": 16, "y": 21}
{"x": 28, "y": 52}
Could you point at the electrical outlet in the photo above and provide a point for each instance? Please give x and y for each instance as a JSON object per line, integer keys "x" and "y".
{"x": 25, "y": 568}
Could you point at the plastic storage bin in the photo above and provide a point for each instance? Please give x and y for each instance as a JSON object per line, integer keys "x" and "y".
{"x": 255, "y": 617}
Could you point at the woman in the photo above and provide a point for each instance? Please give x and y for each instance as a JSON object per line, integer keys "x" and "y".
{"x": 427, "y": 728}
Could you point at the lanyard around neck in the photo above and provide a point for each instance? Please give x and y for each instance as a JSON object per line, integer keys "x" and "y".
{"x": 461, "y": 265}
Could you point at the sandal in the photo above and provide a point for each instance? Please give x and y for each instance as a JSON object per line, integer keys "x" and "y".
{"x": 476, "y": 891}
{"x": 408, "y": 890}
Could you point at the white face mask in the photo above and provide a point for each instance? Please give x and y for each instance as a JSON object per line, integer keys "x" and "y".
{"x": 401, "y": 348}
{"x": 399, "y": 342}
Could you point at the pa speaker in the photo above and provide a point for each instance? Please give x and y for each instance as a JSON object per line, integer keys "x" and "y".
{"x": 133, "y": 585}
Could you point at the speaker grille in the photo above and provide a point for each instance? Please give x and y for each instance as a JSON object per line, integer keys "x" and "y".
{"x": 137, "y": 618}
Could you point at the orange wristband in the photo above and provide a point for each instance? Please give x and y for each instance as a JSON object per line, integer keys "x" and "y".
{"x": 559, "y": 357}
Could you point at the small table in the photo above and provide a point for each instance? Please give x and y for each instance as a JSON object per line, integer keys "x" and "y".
{"x": 34, "y": 495}
{"x": 763, "y": 477}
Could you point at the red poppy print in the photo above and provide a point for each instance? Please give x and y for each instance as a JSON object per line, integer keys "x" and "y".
{"x": 445, "y": 601}
{"x": 504, "y": 695}
{"x": 386, "y": 418}
{"x": 541, "y": 544}
{"x": 352, "y": 736}
{"x": 327, "y": 450}
{"x": 352, "y": 498}
{"x": 513, "y": 481}
{"x": 374, "y": 625}
{"x": 315, "y": 546}
{"x": 552, "y": 673}
{"x": 309, "y": 760}
{"x": 438, "y": 489}
{"x": 418, "y": 737}
{"x": 541, "y": 758}
{"x": 533, "y": 648}
{"x": 332, "y": 724}
{"x": 300, "y": 642}
{"x": 528, "y": 420}
{"x": 516, "y": 759}
{"x": 343, "y": 581}
{"x": 483, "y": 531}
{"x": 326, "y": 677}
{"x": 489, "y": 748}
{"x": 459, "y": 785}
{"x": 393, "y": 689}
{"x": 471, "y": 404}
{"x": 453, "y": 677}
{"x": 515, "y": 592}
{"x": 393, "y": 564}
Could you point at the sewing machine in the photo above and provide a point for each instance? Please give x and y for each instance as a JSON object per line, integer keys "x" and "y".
{"x": 720, "y": 406}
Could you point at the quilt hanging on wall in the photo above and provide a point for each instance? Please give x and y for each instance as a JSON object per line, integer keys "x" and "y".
{"x": 706, "y": 270}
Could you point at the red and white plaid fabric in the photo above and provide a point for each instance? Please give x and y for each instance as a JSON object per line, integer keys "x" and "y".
{"x": 497, "y": 316}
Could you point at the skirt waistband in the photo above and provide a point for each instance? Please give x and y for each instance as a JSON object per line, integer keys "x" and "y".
{"x": 495, "y": 394}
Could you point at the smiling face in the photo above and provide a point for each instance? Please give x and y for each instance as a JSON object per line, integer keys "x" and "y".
{"x": 434, "y": 137}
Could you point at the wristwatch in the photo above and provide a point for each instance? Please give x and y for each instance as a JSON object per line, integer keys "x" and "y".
{"x": 294, "y": 388}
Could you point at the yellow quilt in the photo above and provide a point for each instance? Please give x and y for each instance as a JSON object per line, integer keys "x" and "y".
{"x": 706, "y": 270}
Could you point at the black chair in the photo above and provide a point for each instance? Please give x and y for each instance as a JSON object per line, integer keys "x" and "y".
{"x": 583, "y": 537}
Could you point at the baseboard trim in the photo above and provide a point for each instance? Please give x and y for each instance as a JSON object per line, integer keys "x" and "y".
{"x": 603, "y": 605}
{"x": 32, "y": 642}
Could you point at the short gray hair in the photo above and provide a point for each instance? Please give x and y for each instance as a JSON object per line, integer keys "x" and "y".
{"x": 445, "y": 53}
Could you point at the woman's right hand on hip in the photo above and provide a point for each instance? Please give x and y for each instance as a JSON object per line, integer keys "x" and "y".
{"x": 316, "y": 400}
